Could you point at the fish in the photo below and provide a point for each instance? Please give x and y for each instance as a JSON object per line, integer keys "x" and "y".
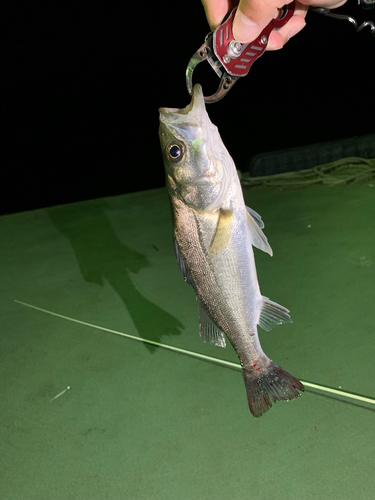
{"x": 214, "y": 236}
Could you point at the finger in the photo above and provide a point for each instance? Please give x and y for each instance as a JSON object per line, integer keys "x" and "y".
{"x": 278, "y": 38}
{"x": 216, "y": 10}
{"x": 252, "y": 17}
{"x": 327, "y": 4}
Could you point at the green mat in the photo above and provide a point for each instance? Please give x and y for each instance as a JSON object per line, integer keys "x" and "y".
{"x": 143, "y": 423}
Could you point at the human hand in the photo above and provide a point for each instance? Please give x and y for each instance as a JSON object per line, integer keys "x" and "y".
{"x": 253, "y": 16}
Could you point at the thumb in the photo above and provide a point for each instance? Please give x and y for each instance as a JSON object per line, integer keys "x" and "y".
{"x": 252, "y": 17}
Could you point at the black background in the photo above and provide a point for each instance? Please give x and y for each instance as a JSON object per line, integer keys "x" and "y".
{"x": 82, "y": 85}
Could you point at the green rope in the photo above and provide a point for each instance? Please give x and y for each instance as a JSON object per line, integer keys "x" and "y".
{"x": 339, "y": 172}
{"x": 193, "y": 354}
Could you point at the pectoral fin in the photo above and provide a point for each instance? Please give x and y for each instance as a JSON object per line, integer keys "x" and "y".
{"x": 258, "y": 238}
{"x": 223, "y": 232}
{"x": 272, "y": 314}
{"x": 208, "y": 330}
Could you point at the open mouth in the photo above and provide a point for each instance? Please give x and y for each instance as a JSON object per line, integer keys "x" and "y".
{"x": 196, "y": 100}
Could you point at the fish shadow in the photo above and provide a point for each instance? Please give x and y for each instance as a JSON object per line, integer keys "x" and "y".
{"x": 101, "y": 256}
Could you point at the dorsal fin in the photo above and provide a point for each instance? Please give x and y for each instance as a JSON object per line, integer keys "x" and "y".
{"x": 208, "y": 330}
{"x": 181, "y": 264}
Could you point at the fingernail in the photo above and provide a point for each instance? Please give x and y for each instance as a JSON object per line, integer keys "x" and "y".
{"x": 294, "y": 31}
{"x": 244, "y": 29}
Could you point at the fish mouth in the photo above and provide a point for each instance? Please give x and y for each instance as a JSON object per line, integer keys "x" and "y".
{"x": 195, "y": 108}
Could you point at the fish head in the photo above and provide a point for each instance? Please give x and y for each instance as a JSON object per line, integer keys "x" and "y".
{"x": 199, "y": 169}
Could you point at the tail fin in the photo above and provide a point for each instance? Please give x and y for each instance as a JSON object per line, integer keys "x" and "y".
{"x": 274, "y": 385}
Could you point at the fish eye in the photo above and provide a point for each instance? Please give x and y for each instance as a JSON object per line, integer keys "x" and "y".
{"x": 175, "y": 152}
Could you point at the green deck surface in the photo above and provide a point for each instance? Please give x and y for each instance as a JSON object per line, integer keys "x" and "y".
{"x": 143, "y": 423}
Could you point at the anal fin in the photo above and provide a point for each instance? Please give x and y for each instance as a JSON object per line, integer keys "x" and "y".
{"x": 272, "y": 314}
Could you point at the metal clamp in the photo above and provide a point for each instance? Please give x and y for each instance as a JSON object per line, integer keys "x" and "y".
{"x": 231, "y": 59}
{"x": 349, "y": 19}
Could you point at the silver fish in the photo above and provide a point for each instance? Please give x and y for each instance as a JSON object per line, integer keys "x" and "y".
{"x": 214, "y": 233}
